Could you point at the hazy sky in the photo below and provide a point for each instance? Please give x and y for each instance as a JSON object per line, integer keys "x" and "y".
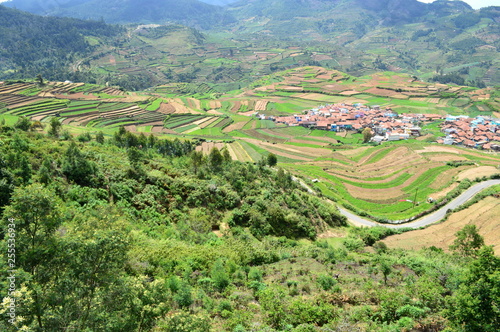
{"x": 474, "y": 3}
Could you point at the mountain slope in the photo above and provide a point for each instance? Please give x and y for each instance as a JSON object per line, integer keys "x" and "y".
{"x": 191, "y": 12}
{"x": 45, "y": 45}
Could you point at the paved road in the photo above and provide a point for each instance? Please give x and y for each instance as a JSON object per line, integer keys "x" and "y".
{"x": 428, "y": 219}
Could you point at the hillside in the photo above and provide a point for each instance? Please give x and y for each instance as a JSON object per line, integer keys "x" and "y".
{"x": 32, "y": 45}
{"x": 191, "y": 12}
{"x": 445, "y": 41}
{"x": 131, "y": 232}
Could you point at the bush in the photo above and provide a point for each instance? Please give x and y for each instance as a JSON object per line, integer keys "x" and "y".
{"x": 326, "y": 282}
{"x": 353, "y": 244}
{"x": 184, "y": 322}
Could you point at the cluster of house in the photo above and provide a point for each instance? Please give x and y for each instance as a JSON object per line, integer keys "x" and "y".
{"x": 479, "y": 132}
{"x": 384, "y": 123}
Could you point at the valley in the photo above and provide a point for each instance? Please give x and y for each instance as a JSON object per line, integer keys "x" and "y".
{"x": 249, "y": 165}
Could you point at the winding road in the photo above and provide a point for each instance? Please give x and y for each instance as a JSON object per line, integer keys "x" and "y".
{"x": 428, "y": 219}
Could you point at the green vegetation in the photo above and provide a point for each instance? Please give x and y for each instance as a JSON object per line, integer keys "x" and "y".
{"x": 136, "y": 231}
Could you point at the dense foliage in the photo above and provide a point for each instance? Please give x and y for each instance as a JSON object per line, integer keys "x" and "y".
{"x": 139, "y": 233}
{"x": 45, "y": 45}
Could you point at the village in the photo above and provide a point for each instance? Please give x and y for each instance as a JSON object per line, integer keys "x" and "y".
{"x": 387, "y": 125}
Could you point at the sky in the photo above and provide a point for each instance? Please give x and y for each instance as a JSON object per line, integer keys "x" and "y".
{"x": 476, "y": 4}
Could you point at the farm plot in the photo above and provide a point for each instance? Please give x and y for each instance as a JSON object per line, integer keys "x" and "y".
{"x": 16, "y": 87}
{"x": 483, "y": 214}
{"x": 376, "y": 179}
{"x": 206, "y": 147}
{"x": 13, "y": 101}
{"x": 46, "y": 107}
{"x": 177, "y": 120}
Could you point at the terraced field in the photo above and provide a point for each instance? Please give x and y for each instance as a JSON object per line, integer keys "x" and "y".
{"x": 483, "y": 214}
{"x": 91, "y": 106}
{"x": 394, "y": 182}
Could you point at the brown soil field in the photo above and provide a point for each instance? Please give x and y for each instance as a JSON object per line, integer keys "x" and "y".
{"x": 347, "y": 176}
{"x": 236, "y": 106}
{"x": 179, "y": 106}
{"x": 234, "y": 126}
{"x": 206, "y": 147}
{"x": 483, "y": 214}
{"x": 214, "y": 112}
{"x": 248, "y": 113}
{"x": 215, "y": 104}
{"x": 261, "y": 105}
{"x": 496, "y": 115}
{"x": 230, "y": 149}
{"x": 193, "y": 103}
{"x": 480, "y": 171}
{"x": 291, "y": 88}
{"x": 354, "y": 152}
{"x": 166, "y": 108}
{"x": 349, "y": 93}
{"x": 438, "y": 149}
{"x": 445, "y": 157}
{"x": 303, "y": 141}
{"x": 398, "y": 158}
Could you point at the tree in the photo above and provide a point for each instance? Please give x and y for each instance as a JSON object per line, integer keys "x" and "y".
{"x": 196, "y": 160}
{"x": 99, "y": 137}
{"x": 6, "y": 183}
{"x": 23, "y": 123}
{"x": 226, "y": 155}
{"x": 468, "y": 241}
{"x": 367, "y": 135}
{"x": 76, "y": 167}
{"x": 36, "y": 215}
{"x": 475, "y": 305}
{"x": 272, "y": 160}
{"x": 216, "y": 159}
{"x": 219, "y": 276}
{"x": 39, "y": 80}
{"x": 55, "y": 127}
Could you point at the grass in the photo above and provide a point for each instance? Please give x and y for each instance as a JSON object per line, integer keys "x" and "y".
{"x": 9, "y": 119}
{"x": 305, "y": 145}
{"x": 154, "y": 105}
{"x": 208, "y": 132}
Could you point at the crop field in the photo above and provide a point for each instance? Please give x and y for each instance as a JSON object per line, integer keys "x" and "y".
{"x": 92, "y": 106}
{"x": 392, "y": 181}
{"x": 483, "y": 214}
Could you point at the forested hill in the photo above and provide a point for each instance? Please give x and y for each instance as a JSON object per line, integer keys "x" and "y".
{"x": 190, "y": 12}
{"x": 45, "y": 45}
{"x": 379, "y": 12}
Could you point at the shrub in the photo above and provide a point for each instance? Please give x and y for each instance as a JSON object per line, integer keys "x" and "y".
{"x": 184, "y": 322}
{"x": 326, "y": 282}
